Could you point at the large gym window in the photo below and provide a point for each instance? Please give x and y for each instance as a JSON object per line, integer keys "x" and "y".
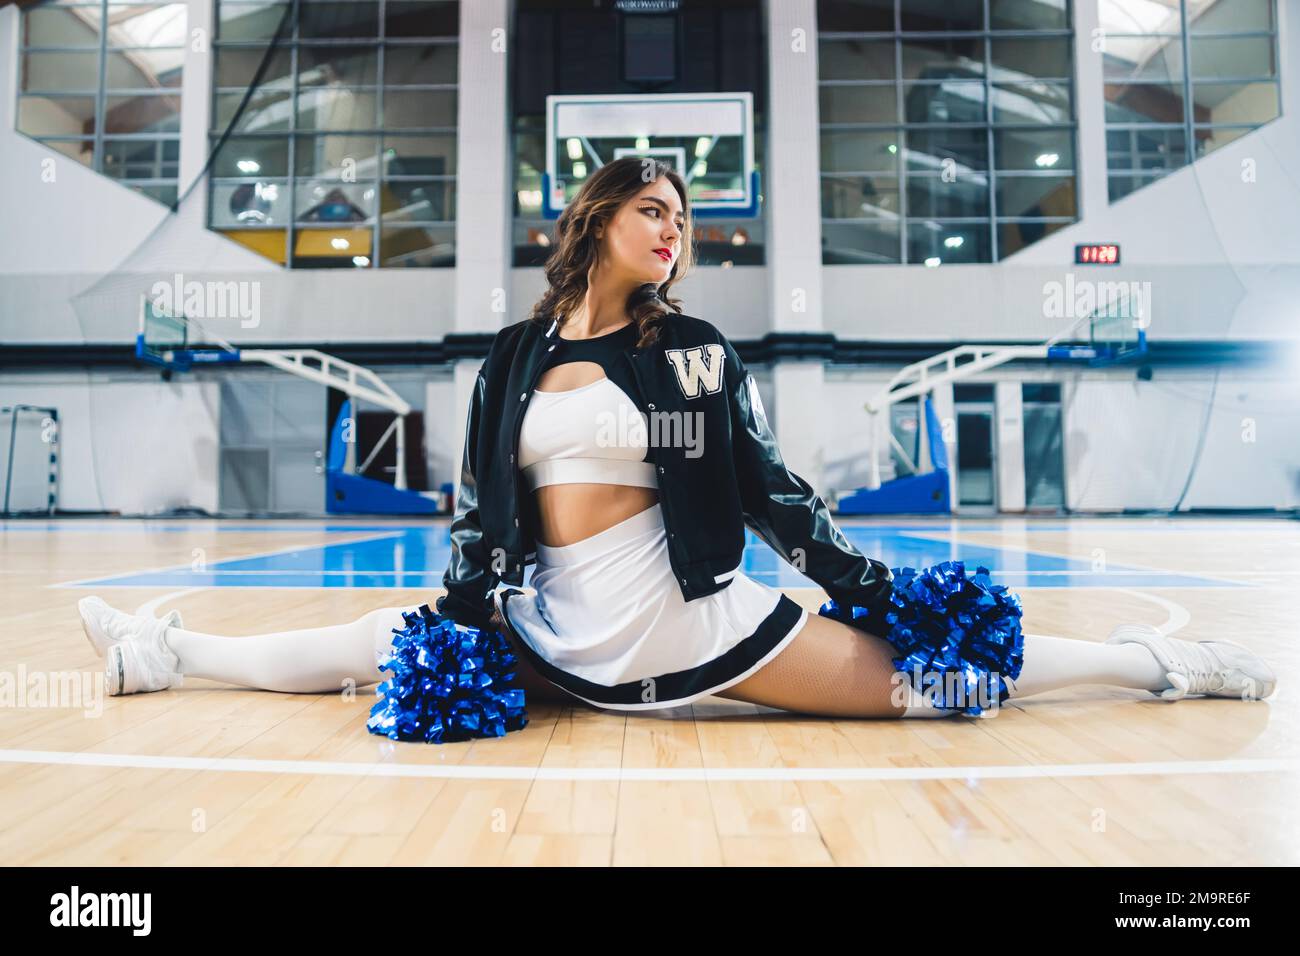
{"x": 345, "y": 154}
{"x": 1182, "y": 78}
{"x": 101, "y": 84}
{"x": 947, "y": 128}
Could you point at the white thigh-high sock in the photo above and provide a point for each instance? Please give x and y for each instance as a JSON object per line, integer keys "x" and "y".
{"x": 1054, "y": 662}
{"x": 314, "y": 660}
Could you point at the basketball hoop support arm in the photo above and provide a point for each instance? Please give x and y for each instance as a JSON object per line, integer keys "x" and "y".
{"x": 355, "y": 381}
{"x": 921, "y": 377}
{"x": 347, "y": 378}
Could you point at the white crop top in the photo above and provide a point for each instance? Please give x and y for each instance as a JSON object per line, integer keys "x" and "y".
{"x": 594, "y": 433}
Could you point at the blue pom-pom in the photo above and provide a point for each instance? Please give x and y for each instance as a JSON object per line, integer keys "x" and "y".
{"x": 450, "y": 683}
{"x": 958, "y": 638}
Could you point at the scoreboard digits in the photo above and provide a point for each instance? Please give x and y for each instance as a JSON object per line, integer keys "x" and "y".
{"x": 1097, "y": 254}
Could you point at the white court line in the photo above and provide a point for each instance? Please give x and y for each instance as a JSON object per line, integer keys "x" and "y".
{"x": 666, "y": 774}
{"x": 189, "y": 568}
{"x": 1177, "y": 618}
{"x": 268, "y": 587}
{"x": 1198, "y": 574}
{"x": 992, "y": 571}
{"x": 150, "y": 608}
{"x": 1128, "y": 566}
{"x": 1178, "y": 615}
{"x": 314, "y": 572}
{"x": 230, "y": 586}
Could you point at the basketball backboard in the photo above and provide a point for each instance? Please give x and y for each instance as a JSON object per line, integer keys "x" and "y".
{"x": 1116, "y": 329}
{"x": 706, "y": 137}
{"x": 161, "y": 336}
{"x": 163, "y": 339}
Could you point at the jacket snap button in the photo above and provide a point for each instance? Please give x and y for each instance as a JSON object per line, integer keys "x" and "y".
{"x": 661, "y": 469}
{"x": 516, "y": 522}
{"x": 683, "y": 580}
{"x": 512, "y": 458}
{"x": 551, "y": 349}
{"x": 522, "y": 396}
{"x": 651, "y": 406}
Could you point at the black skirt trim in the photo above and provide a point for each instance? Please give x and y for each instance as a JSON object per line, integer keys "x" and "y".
{"x": 666, "y": 689}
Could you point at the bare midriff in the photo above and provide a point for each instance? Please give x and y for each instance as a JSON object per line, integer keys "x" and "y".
{"x": 571, "y": 512}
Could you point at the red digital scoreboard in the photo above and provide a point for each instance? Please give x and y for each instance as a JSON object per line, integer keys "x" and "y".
{"x": 1097, "y": 254}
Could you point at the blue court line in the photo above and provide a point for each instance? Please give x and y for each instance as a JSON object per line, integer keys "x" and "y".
{"x": 417, "y": 557}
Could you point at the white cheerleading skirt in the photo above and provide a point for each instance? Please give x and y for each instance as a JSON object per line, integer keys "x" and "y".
{"x": 607, "y": 621}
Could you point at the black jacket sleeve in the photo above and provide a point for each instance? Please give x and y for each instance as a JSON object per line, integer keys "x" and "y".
{"x": 469, "y": 578}
{"x": 785, "y": 511}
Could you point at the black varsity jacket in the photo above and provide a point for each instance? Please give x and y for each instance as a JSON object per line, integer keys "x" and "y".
{"x": 731, "y": 476}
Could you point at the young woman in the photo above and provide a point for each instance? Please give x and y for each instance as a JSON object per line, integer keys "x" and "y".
{"x": 638, "y": 600}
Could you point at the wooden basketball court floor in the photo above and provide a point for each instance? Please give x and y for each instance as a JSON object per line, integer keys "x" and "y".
{"x": 212, "y": 774}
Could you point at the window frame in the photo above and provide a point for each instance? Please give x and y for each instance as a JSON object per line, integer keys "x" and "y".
{"x": 101, "y": 95}
{"x": 1189, "y": 126}
{"x": 986, "y": 37}
{"x": 379, "y": 227}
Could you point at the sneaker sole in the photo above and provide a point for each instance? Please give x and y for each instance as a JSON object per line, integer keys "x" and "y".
{"x": 114, "y": 671}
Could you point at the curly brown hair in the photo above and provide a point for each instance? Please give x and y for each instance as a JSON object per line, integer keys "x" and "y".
{"x": 576, "y": 246}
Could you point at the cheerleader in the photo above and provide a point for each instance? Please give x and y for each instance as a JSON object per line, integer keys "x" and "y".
{"x": 605, "y": 624}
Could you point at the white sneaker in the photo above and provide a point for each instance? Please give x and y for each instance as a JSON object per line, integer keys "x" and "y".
{"x": 139, "y": 660}
{"x": 1212, "y": 668}
{"x": 138, "y": 667}
{"x": 106, "y": 626}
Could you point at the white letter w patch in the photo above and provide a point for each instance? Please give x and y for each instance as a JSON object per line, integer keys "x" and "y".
{"x": 701, "y": 365}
